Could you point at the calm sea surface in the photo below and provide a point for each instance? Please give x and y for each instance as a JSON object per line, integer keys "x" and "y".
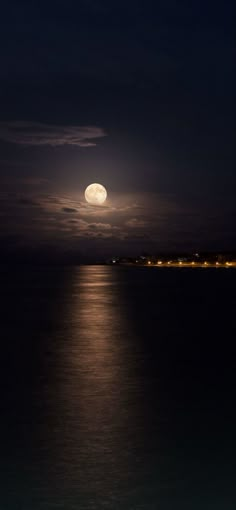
{"x": 117, "y": 388}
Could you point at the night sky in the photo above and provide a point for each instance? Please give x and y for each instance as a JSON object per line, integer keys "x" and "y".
{"x": 136, "y": 95}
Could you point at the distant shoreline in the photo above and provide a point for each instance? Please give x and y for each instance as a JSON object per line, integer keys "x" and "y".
{"x": 231, "y": 265}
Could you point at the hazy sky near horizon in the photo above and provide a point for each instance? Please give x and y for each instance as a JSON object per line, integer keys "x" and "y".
{"x": 136, "y": 95}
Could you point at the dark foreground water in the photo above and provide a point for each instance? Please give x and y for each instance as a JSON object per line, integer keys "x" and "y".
{"x": 117, "y": 389}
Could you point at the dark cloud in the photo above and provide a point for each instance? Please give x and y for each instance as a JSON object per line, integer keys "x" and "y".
{"x": 72, "y": 221}
{"x": 69, "y": 210}
{"x": 39, "y": 134}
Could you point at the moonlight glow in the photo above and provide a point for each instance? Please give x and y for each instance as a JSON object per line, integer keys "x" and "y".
{"x": 95, "y": 194}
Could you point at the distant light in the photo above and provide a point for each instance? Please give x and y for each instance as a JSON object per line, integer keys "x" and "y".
{"x": 217, "y": 263}
{"x": 180, "y": 263}
{"x": 114, "y": 261}
{"x": 159, "y": 262}
{"x": 169, "y": 262}
{"x": 228, "y": 263}
{"x": 193, "y": 263}
{"x": 149, "y": 262}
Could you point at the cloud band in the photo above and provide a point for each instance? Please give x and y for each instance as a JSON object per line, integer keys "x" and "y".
{"x": 39, "y": 134}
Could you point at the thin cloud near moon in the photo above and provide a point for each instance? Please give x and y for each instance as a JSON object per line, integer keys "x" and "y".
{"x": 40, "y": 134}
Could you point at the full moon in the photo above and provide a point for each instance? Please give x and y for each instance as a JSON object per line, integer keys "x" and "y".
{"x": 95, "y": 194}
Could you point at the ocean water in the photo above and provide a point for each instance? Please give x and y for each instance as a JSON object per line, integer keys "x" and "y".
{"x": 117, "y": 388}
